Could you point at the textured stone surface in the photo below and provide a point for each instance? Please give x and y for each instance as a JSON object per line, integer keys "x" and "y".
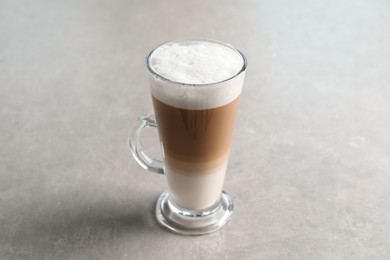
{"x": 310, "y": 165}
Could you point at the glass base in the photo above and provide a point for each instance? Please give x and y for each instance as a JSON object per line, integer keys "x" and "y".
{"x": 187, "y": 222}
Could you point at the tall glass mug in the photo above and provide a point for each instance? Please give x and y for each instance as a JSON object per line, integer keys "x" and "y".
{"x": 195, "y": 87}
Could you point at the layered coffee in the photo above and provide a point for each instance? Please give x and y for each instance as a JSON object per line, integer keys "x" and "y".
{"x": 195, "y": 89}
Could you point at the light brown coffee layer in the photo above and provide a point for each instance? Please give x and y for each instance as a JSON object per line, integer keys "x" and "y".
{"x": 196, "y": 168}
{"x": 200, "y": 138}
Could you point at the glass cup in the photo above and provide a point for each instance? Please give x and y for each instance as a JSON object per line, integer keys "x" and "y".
{"x": 195, "y": 123}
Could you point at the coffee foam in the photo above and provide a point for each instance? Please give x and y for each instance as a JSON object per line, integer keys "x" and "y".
{"x": 197, "y": 65}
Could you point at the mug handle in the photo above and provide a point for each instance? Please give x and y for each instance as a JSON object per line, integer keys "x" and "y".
{"x": 150, "y": 164}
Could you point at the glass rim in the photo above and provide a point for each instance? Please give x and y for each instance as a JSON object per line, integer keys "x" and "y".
{"x": 243, "y": 67}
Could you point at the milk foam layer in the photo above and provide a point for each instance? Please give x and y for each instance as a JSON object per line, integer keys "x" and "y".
{"x": 196, "y": 63}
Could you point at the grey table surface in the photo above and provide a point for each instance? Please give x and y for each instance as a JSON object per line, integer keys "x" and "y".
{"x": 310, "y": 165}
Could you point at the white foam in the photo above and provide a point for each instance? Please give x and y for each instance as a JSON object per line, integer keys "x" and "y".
{"x": 197, "y": 64}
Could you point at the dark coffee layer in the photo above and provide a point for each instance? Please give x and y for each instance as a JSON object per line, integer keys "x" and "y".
{"x": 195, "y": 136}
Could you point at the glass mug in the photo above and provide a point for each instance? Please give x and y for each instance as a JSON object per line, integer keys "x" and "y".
{"x": 195, "y": 122}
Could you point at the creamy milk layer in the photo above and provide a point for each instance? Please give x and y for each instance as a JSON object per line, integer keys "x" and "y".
{"x": 197, "y": 64}
{"x": 196, "y": 192}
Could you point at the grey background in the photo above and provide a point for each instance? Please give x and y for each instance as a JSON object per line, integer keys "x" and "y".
{"x": 310, "y": 163}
